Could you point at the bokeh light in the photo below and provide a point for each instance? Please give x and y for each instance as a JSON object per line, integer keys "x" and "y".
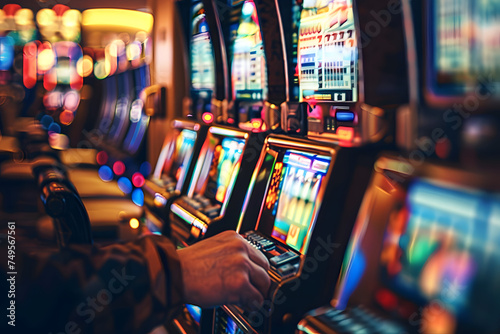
{"x": 105, "y": 173}
{"x": 125, "y": 185}
{"x": 138, "y": 197}
{"x": 119, "y": 168}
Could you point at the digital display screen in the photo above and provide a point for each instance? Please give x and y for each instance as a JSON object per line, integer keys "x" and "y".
{"x": 327, "y": 52}
{"x": 465, "y": 46}
{"x": 443, "y": 244}
{"x": 177, "y": 155}
{"x": 202, "y": 53}
{"x": 248, "y": 74}
{"x": 291, "y": 197}
{"x": 220, "y": 168}
{"x": 425, "y": 251}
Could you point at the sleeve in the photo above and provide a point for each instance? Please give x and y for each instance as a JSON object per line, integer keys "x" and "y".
{"x": 121, "y": 288}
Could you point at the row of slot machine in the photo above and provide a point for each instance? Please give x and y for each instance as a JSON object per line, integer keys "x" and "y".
{"x": 85, "y": 77}
{"x": 353, "y": 143}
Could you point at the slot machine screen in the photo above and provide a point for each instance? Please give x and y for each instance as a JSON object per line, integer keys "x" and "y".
{"x": 464, "y": 50}
{"x": 248, "y": 74}
{"x": 428, "y": 248}
{"x": 327, "y": 52}
{"x": 290, "y": 204}
{"x": 219, "y": 169}
{"x": 202, "y": 53}
{"x": 177, "y": 156}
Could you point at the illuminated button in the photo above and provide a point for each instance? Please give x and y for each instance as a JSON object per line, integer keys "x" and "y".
{"x": 344, "y": 116}
{"x": 345, "y": 133}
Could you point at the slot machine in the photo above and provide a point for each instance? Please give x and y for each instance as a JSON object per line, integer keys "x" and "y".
{"x": 454, "y": 81}
{"x": 441, "y": 210}
{"x": 228, "y": 154}
{"x": 422, "y": 257}
{"x": 253, "y": 105}
{"x": 172, "y": 173}
{"x": 208, "y": 89}
{"x": 338, "y": 49}
{"x": 225, "y": 164}
{"x": 308, "y": 190}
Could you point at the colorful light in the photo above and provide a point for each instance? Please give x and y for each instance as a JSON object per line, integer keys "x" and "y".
{"x": 105, "y": 173}
{"x": 71, "y": 100}
{"x": 345, "y": 133}
{"x": 117, "y": 19}
{"x": 29, "y": 65}
{"x": 138, "y": 197}
{"x": 6, "y": 52}
{"x": 24, "y": 17}
{"x": 100, "y": 69}
{"x": 159, "y": 201}
{"x": 46, "y": 121}
{"x": 58, "y": 141}
{"x": 101, "y": 157}
{"x": 46, "y": 60}
{"x": 54, "y": 127}
{"x": 119, "y": 168}
{"x": 134, "y": 223}
{"x": 71, "y": 18}
{"x": 133, "y": 51}
{"x": 85, "y": 66}
{"x": 207, "y": 117}
{"x": 66, "y": 117}
{"x": 124, "y": 184}
{"x": 45, "y": 17}
{"x": 138, "y": 180}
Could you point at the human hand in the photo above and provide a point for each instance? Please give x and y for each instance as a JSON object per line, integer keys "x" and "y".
{"x": 224, "y": 269}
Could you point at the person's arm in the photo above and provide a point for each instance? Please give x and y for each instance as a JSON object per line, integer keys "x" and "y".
{"x": 134, "y": 287}
{"x": 121, "y": 288}
{"x": 224, "y": 269}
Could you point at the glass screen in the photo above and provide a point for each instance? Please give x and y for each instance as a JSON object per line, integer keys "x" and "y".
{"x": 248, "y": 74}
{"x": 202, "y": 53}
{"x": 291, "y": 196}
{"x": 220, "y": 168}
{"x": 428, "y": 253}
{"x": 177, "y": 156}
{"x": 466, "y": 45}
{"x": 327, "y": 52}
{"x": 444, "y": 245}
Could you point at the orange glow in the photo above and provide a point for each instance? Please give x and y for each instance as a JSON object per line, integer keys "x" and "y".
{"x": 437, "y": 320}
{"x": 29, "y": 65}
{"x": 345, "y": 133}
{"x": 50, "y": 80}
{"x": 117, "y": 20}
{"x": 134, "y": 223}
{"x": 256, "y": 123}
{"x": 208, "y": 117}
{"x": 84, "y": 66}
{"x": 66, "y": 117}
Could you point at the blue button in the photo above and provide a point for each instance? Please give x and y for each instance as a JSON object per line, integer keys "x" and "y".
{"x": 344, "y": 116}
